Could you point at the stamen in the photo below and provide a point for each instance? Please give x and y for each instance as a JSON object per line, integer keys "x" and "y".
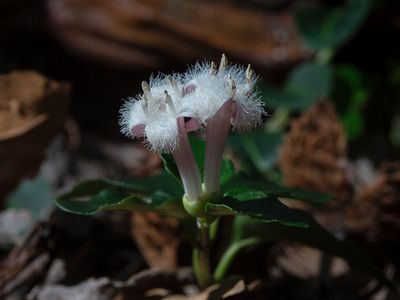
{"x": 174, "y": 85}
{"x": 170, "y": 103}
{"x": 145, "y": 103}
{"x": 249, "y": 73}
{"x": 213, "y": 68}
{"x": 147, "y": 92}
{"x": 249, "y": 77}
{"x": 233, "y": 86}
{"x": 223, "y": 64}
{"x": 171, "y": 81}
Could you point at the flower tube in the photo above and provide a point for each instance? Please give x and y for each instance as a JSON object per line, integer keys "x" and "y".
{"x": 158, "y": 115}
{"x": 225, "y": 97}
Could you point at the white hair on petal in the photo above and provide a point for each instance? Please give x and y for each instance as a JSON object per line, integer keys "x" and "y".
{"x": 198, "y": 94}
{"x": 131, "y": 114}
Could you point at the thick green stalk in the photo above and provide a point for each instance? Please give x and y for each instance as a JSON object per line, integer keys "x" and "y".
{"x": 201, "y": 255}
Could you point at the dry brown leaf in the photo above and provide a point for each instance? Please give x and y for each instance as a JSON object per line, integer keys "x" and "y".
{"x": 313, "y": 153}
{"x": 32, "y": 109}
{"x": 158, "y": 238}
{"x": 375, "y": 212}
{"x": 153, "y": 33}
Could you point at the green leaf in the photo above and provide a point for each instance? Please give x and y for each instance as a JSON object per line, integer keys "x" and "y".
{"x": 306, "y": 84}
{"x": 350, "y": 94}
{"x": 331, "y": 27}
{"x": 34, "y": 195}
{"x": 199, "y": 151}
{"x": 314, "y": 235}
{"x": 267, "y": 209}
{"x": 170, "y": 166}
{"x": 311, "y": 79}
{"x": 159, "y": 194}
{"x": 163, "y": 181}
{"x": 353, "y": 122}
{"x": 227, "y": 171}
{"x": 117, "y": 199}
{"x": 244, "y": 194}
{"x": 259, "y": 149}
{"x": 240, "y": 183}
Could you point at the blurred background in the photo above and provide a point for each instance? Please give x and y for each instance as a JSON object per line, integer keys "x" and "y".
{"x": 330, "y": 78}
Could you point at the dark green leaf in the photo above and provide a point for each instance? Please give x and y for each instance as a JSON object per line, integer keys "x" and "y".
{"x": 170, "y": 166}
{"x": 267, "y": 209}
{"x": 311, "y": 79}
{"x": 159, "y": 193}
{"x": 314, "y": 235}
{"x": 162, "y": 181}
{"x": 260, "y": 149}
{"x": 244, "y": 194}
{"x": 241, "y": 183}
{"x": 199, "y": 151}
{"x": 117, "y": 199}
{"x": 350, "y": 94}
{"x": 330, "y": 28}
{"x": 227, "y": 171}
{"x": 353, "y": 122}
{"x": 307, "y": 83}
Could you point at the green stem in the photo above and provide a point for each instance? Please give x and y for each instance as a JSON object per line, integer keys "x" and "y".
{"x": 230, "y": 254}
{"x": 201, "y": 255}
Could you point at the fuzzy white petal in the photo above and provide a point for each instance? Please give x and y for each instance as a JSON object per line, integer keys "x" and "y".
{"x": 162, "y": 134}
{"x": 131, "y": 115}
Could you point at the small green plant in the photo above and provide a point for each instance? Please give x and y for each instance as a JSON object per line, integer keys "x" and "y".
{"x": 187, "y": 119}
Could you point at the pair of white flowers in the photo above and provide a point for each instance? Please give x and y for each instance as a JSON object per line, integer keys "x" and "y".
{"x": 206, "y": 98}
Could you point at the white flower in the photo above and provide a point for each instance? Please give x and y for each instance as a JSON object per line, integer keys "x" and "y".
{"x": 222, "y": 97}
{"x": 213, "y": 87}
{"x": 207, "y": 97}
{"x": 158, "y": 115}
{"x": 153, "y": 114}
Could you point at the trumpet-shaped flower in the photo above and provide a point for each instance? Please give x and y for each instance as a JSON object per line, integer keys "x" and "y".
{"x": 210, "y": 97}
{"x": 159, "y": 115}
{"x": 213, "y": 86}
{"x": 224, "y": 96}
{"x": 153, "y": 114}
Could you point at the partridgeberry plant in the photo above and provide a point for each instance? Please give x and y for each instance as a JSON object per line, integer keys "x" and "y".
{"x": 209, "y": 100}
{"x": 187, "y": 119}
